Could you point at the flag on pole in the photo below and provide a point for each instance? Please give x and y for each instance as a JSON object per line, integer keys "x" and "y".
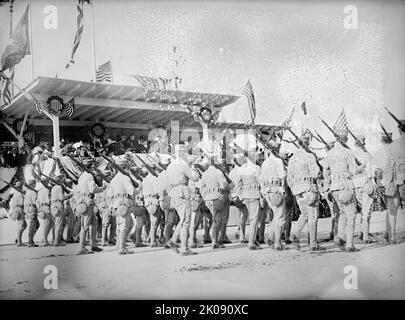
{"x": 104, "y": 73}
{"x": 304, "y": 108}
{"x": 79, "y": 31}
{"x": 151, "y": 83}
{"x": 285, "y": 124}
{"x": 19, "y": 44}
{"x": 248, "y": 92}
{"x": 341, "y": 122}
{"x": 5, "y": 93}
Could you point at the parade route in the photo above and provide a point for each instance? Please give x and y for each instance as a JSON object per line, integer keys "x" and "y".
{"x": 230, "y": 273}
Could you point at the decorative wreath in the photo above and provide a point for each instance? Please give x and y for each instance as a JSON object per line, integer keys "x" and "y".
{"x": 55, "y": 105}
{"x": 98, "y": 130}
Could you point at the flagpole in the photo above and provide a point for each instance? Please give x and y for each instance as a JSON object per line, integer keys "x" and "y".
{"x": 93, "y": 43}
{"x": 11, "y": 34}
{"x": 31, "y": 40}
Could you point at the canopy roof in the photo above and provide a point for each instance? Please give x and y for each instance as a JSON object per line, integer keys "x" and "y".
{"x": 120, "y": 105}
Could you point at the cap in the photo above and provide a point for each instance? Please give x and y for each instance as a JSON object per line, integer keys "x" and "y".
{"x": 78, "y": 145}
{"x": 37, "y": 150}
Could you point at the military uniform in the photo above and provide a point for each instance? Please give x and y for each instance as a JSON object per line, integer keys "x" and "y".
{"x": 338, "y": 179}
{"x": 240, "y": 207}
{"x": 84, "y": 198}
{"x": 108, "y": 223}
{"x": 58, "y": 212}
{"x": 301, "y": 177}
{"x": 196, "y": 214}
{"x": 151, "y": 198}
{"x": 393, "y": 165}
{"x": 179, "y": 173}
{"x": 272, "y": 179}
{"x": 121, "y": 192}
{"x": 17, "y": 214}
{"x": 247, "y": 178}
{"x": 30, "y": 210}
{"x": 364, "y": 187}
{"x": 213, "y": 185}
{"x": 43, "y": 203}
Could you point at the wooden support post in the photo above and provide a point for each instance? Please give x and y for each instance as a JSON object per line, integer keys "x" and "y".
{"x": 56, "y": 138}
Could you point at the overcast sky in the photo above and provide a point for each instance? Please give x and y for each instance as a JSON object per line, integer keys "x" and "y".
{"x": 291, "y": 51}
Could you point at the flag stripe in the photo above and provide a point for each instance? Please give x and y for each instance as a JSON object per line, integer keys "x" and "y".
{"x": 103, "y": 73}
{"x": 248, "y": 92}
{"x": 341, "y": 122}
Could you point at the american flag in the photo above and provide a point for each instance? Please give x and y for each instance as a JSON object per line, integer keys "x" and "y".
{"x": 286, "y": 123}
{"x": 341, "y": 122}
{"x": 248, "y": 92}
{"x": 104, "y": 73}
{"x": 5, "y": 93}
{"x": 152, "y": 83}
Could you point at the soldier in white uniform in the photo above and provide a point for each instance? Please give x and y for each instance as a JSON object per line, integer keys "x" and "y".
{"x": 393, "y": 165}
{"x": 247, "y": 184}
{"x": 214, "y": 185}
{"x": 58, "y": 209}
{"x": 339, "y": 169}
{"x": 364, "y": 186}
{"x": 179, "y": 173}
{"x": 108, "y": 222}
{"x": 84, "y": 197}
{"x": 239, "y": 205}
{"x": 17, "y": 212}
{"x": 44, "y": 212}
{"x": 30, "y": 210}
{"x": 302, "y": 174}
{"x": 196, "y": 202}
{"x": 272, "y": 180}
{"x": 121, "y": 192}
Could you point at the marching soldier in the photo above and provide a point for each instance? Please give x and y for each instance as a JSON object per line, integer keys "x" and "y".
{"x": 364, "y": 186}
{"x": 247, "y": 183}
{"x": 340, "y": 167}
{"x": 58, "y": 210}
{"x": 213, "y": 184}
{"x": 179, "y": 173}
{"x": 44, "y": 211}
{"x": 239, "y": 205}
{"x": 196, "y": 202}
{"x": 151, "y": 198}
{"x": 393, "y": 166}
{"x": 121, "y": 192}
{"x": 84, "y": 197}
{"x": 272, "y": 179}
{"x": 17, "y": 213}
{"x": 30, "y": 210}
{"x": 108, "y": 222}
{"x": 70, "y": 216}
{"x": 302, "y": 174}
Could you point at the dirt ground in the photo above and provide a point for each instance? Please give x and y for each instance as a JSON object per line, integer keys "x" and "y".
{"x": 230, "y": 273}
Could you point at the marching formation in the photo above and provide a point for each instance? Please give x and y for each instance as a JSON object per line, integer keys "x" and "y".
{"x": 159, "y": 200}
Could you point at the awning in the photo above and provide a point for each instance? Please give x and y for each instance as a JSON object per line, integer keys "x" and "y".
{"x": 112, "y": 104}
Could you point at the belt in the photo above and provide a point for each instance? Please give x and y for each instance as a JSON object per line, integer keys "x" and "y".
{"x": 274, "y": 182}
{"x": 30, "y": 205}
{"x": 121, "y": 195}
{"x": 255, "y": 186}
{"x": 344, "y": 175}
{"x": 305, "y": 179}
{"x": 213, "y": 189}
{"x": 44, "y": 204}
{"x": 151, "y": 195}
{"x": 57, "y": 200}
{"x": 89, "y": 195}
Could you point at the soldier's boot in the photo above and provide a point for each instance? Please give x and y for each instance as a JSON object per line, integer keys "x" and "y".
{"x": 19, "y": 238}
{"x": 104, "y": 236}
{"x": 215, "y": 235}
{"x": 138, "y": 237}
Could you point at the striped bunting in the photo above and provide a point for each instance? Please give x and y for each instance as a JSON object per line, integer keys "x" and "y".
{"x": 70, "y": 107}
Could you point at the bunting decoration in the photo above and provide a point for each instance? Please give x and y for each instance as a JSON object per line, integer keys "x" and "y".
{"x": 79, "y": 31}
{"x": 70, "y": 107}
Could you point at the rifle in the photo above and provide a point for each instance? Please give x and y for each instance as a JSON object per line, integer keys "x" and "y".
{"x": 159, "y": 162}
{"x": 386, "y": 133}
{"x": 15, "y": 188}
{"x": 269, "y": 147}
{"x": 342, "y": 143}
{"x": 136, "y": 174}
{"x": 67, "y": 171}
{"x": 118, "y": 168}
{"x": 147, "y": 166}
{"x": 323, "y": 141}
{"x": 306, "y": 148}
{"x": 98, "y": 182}
{"x": 400, "y": 124}
{"x": 66, "y": 190}
{"x": 357, "y": 140}
{"x": 28, "y": 187}
{"x": 34, "y": 174}
{"x": 217, "y": 166}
